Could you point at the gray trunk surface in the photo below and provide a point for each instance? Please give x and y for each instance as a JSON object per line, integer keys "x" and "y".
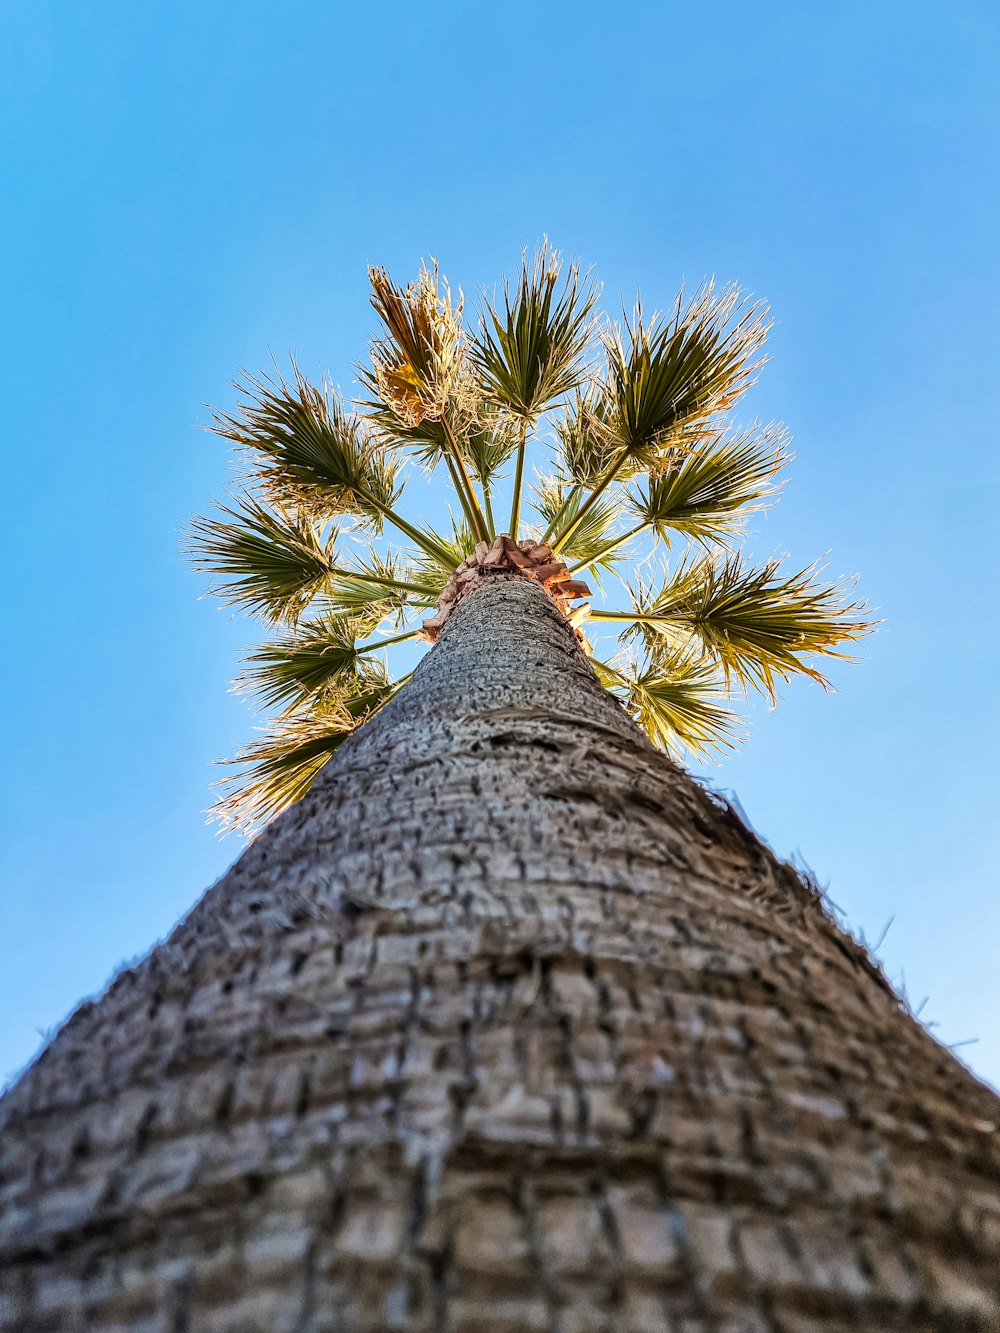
{"x": 506, "y": 1025}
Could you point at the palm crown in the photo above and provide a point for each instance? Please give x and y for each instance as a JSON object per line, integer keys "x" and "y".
{"x": 643, "y": 461}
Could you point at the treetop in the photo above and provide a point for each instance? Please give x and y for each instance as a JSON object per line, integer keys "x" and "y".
{"x": 642, "y": 480}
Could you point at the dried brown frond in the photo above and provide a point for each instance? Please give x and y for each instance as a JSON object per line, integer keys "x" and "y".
{"x": 416, "y": 367}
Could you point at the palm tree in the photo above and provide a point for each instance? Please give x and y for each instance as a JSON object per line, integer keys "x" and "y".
{"x": 506, "y": 1023}
{"x": 645, "y": 470}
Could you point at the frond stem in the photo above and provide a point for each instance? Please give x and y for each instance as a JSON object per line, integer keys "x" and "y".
{"x": 427, "y": 544}
{"x": 464, "y": 484}
{"x": 365, "y": 577}
{"x": 385, "y": 643}
{"x": 460, "y": 491}
{"x": 611, "y": 546}
{"x": 599, "y": 488}
{"x": 639, "y": 617}
{"x": 557, "y": 517}
{"x": 515, "y": 507}
{"x": 488, "y": 506}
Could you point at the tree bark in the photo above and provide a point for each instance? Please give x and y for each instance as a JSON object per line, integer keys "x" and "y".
{"x": 507, "y": 1025}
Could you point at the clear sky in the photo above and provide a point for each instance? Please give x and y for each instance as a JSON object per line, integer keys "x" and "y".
{"x": 188, "y": 186}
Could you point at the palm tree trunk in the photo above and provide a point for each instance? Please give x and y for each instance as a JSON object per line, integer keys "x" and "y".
{"x": 506, "y": 1025}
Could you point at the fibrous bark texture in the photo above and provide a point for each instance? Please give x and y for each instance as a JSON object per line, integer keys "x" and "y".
{"x": 507, "y": 1025}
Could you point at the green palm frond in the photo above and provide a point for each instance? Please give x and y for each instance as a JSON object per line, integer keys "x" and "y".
{"x": 666, "y": 390}
{"x": 318, "y": 660}
{"x": 678, "y": 374}
{"x": 532, "y": 352}
{"x": 708, "y": 494}
{"x": 307, "y": 451}
{"x": 381, "y": 581}
{"x": 278, "y": 769}
{"x": 594, "y": 541}
{"x": 271, "y": 562}
{"x": 756, "y": 623}
{"x": 677, "y": 698}
{"x": 426, "y": 441}
{"x": 586, "y": 444}
{"x": 488, "y": 445}
{"x": 435, "y": 574}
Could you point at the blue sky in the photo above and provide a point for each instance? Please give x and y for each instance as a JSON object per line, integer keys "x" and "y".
{"x": 188, "y": 187}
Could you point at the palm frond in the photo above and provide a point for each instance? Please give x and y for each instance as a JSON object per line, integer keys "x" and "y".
{"x": 425, "y": 441}
{"x": 586, "y": 444}
{"x": 307, "y": 451}
{"x": 429, "y": 439}
{"x": 278, "y": 769}
{"x": 593, "y": 542}
{"x": 417, "y": 365}
{"x": 488, "y": 445}
{"x": 666, "y": 391}
{"x": 532, "y": 352}
{"x": 435, "y": 574}
{"x": 676, "y": 375}
{"x": 269, "y": 561}
{"x": 381, "y": 582}
{"x": 417, "y": 372}
{"x": 677, "y": 698}
{"x": 758, "y": 624}
{"x": 308, "y": 662}
{"x": 708, "y": 493}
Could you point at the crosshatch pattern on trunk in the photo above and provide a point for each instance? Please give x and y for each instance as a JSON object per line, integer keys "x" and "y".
{"x": 506, "y": 1025}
